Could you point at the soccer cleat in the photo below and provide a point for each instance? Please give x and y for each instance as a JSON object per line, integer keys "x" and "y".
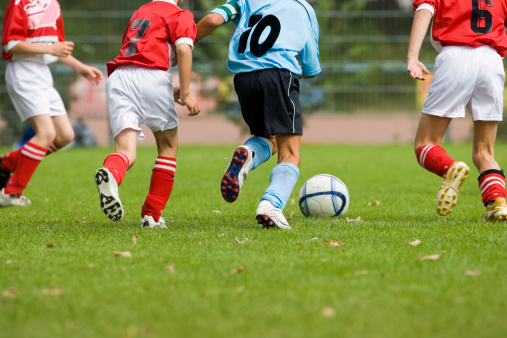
{"x": 496, "y": 211}
{"x": 4, "y": 176}
{"x": 452, "y": 182}
{"x": 13, "y": 200}
{"x": 271, "y": 217}
{"x": 236, "y": 173}
{"x": 149, "y": 222}
{"x": 108, "y": 194}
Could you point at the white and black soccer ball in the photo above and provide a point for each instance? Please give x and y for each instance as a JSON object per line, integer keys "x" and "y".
{"x": 324, "y": 196}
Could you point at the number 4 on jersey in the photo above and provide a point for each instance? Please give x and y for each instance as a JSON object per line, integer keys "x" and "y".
{"x": 482, "y": 19}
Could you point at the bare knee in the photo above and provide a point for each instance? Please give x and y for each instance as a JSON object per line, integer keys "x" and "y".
{"x": 45, "y": 137}
{"x": 64, "y": 138}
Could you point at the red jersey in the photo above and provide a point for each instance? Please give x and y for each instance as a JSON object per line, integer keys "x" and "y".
{"x": 472, "y": 23}
{"x": 34, "y": 21}
{"x": 154, "y": 31}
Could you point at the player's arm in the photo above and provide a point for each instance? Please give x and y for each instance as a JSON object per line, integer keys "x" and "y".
{"x": 60, "y": 49}
{"x": 182, "y": 94}
{"x": 216, "y": 18}
{"x": 422, "y": 20}
{"x": 208, "y": 24}
{"x": 309, "y": 56}
{"x": 90, "y": 73}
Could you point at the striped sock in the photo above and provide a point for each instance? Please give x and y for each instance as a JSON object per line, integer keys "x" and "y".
{"x": 117, "y": 164}
{"x": 10, "y": 160}
{"x": 433, "y": 157}
{"x": 161, "y": 186}
{"x": 492, "y": 185}
{"x": 53, "y": 147}
{"x": 30, "y": 157}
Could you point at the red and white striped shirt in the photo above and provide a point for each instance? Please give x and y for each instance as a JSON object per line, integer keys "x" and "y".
{"x": 33, "y": 21}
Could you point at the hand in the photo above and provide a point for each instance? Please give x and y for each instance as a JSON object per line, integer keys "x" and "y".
{"x": 191, "y": 104}
{"x": 61, "y": 49}
{"x": 92, "y": 74}
{"x": 416, "y": 69}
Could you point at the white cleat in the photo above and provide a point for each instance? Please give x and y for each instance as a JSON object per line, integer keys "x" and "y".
{"x": 108, "y": 194}
{"x": 149, "y": 222}
{"x": 497, "y": 211}
{"x": 236, "y": 173}
{"x": 271, "y": 217}
{"x": 452, "y": 182}
{"x": 13, "y": 200}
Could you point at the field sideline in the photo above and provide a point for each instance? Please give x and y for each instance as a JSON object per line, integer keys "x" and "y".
{"x": 59, "y": 277}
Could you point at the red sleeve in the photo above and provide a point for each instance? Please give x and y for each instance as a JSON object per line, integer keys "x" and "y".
{"x": 183, "y": 26}
{"x": 433, "y": 3}
{"x": 60, "y": 29}
{"x": 15, "y": 23}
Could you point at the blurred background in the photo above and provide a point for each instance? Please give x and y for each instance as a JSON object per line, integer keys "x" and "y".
{"x": 363, "y": 95}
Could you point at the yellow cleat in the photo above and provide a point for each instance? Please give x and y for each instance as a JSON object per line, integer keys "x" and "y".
{"x": 452, "y": 182}
{"x": 496, "y": 211}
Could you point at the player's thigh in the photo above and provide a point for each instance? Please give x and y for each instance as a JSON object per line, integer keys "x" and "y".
{"x": 288, "y": 148}
{"x": 431, "y": 130}
{"x": 251, "y": 100}
{"x": 123, "y": 101}
{"x": 453, "y": 83}
{"x": 29, "y": 88}
{"x": 486, "y": 103}
{"x": 282, "y": 107}
{"x": 157, "y": 104}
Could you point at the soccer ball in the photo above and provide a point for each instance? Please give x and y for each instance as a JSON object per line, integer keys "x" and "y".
{"x": 324, "y": 196}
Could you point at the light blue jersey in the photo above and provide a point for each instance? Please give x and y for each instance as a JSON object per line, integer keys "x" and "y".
{"x": 270, "y": 34}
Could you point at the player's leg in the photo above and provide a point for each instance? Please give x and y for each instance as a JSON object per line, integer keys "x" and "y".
{"x": 282, "y": 181}
{"x": 28, "y": 159}
{"x": 110, "y": 176}
{"x": 255, "y": 151}
{"x": 435, "y": 159}
{"x": 492, "y": 178}
{"x": 162, "y": 179}
{"x": 64, "y": 133}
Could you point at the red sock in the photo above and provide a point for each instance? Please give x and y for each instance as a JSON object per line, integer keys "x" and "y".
{"x": 10, "y": 160}
{"x": 53, "y": 148}
{"x": 117, "y": 164}
{"x": 492, "y": 185}
{"x": 161, "y": 186}
{"x": 31, "y": 156}
{"x": 433, "y": 157}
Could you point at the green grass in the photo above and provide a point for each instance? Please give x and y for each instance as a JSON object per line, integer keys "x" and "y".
{"x": 373, "y": 285}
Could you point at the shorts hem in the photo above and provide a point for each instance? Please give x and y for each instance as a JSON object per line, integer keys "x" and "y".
{"x": 443, "y": 114}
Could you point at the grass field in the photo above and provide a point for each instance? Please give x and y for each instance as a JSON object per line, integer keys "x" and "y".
{"x": 59, "y": 277}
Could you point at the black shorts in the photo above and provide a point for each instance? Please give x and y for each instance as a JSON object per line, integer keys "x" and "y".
{"x": 270, "y": 101}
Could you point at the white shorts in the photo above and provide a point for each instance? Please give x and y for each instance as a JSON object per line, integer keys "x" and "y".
{"x": 30, "y": 87}
{"x": 467, "y": 77}
{"x": 140, "y": 95}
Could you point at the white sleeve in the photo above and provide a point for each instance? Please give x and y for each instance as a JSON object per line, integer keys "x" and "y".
{"x": 427, "y": 7}
{"x": 188, "y": 41}
{"x": 11, "y": 45}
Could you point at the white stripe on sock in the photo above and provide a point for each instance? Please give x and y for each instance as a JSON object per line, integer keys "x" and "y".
{"x": 165, "y": 167}
{"x": 33, "y": 150}
{"x": 424, "y": 153}
{"x": 165, "y": 161}
{"x": 31, "y": 155}
{"x": 485, "y": 187}
{"x": 490, "y": 179}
